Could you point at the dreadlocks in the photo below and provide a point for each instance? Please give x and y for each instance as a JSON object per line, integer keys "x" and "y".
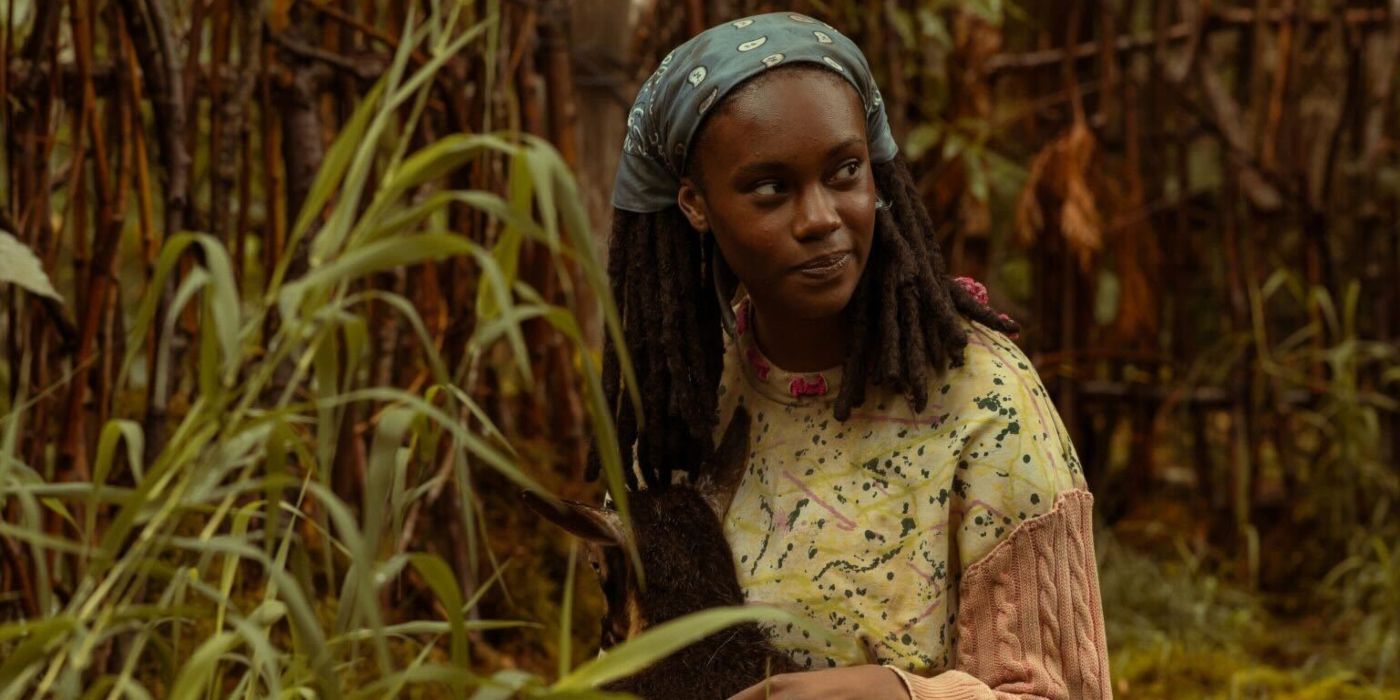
{"x": 903, "y": 318}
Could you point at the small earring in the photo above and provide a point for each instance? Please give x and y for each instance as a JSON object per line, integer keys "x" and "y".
{"x": 880, "y": 203}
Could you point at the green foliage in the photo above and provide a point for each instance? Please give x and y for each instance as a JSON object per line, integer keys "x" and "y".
{"x": 641, "y": 651}
{"x": 228, "y": 566}
{"x": 1177, "y": 631}
{"x": 1365, "y": 591}
{"x": 1349, "y": 480}
{"x": 19, "y": 266}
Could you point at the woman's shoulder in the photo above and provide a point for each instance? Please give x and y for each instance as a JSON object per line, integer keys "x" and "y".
{"x": 994, "y": 373}
{"x": 990, "y": 353}
{"x": 998, "y": 386}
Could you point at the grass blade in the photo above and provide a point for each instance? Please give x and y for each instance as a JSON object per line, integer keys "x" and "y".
{"x": 664, "y": 639}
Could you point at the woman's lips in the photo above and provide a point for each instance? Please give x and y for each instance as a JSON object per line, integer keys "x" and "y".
{"x": 825, "y": 266}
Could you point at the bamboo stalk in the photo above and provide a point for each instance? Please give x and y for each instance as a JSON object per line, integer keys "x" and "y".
{"x": 568, "y": 420}
{"x": 35, "y": 217}
{"x": 141, "y": 156}
{"x": 273, "y": 177}
{"x": 188, "y": 73}
{"x": 1108, "y": 66}
{"x": 222, "y": 144}
{"x": 154, "y": 44}
{"x": 6, "y": 41}
{"x": 73, "y": 460}
{"x": 120, "y": 119}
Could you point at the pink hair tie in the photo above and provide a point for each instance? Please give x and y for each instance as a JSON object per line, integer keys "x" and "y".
{"x": 802, "y": 386}
{"x": 979, "y": 292}
{"x": 975, "y": 288}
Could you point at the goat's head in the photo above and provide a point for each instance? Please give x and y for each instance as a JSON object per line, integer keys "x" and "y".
{"x": 678, "y": 536}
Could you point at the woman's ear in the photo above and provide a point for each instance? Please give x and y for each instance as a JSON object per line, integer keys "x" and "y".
{"x": 692, "y": 204}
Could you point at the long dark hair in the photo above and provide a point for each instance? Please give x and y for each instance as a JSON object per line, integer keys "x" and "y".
{"x": 903, "y": 316}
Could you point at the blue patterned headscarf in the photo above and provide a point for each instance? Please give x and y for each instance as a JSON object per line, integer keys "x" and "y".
{"x": 699, "y": 73}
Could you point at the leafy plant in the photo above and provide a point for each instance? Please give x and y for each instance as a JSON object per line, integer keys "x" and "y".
{"x": 1349, "y": 478}
{"x": 228, "y": 565}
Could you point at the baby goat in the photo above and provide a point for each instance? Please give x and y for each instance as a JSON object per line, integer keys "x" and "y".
{"x": 688, "y": 567}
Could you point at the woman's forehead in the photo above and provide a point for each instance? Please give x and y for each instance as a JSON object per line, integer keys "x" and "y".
{"x": 782, "y": 112}
{"x": 786, "y": 81}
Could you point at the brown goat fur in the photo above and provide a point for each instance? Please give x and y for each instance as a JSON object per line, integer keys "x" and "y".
{"x": 688, "y": 568}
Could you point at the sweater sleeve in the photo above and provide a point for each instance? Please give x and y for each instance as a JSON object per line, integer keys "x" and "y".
{"x": 1030, "y": 619}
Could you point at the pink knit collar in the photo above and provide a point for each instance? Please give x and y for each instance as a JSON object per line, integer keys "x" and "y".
{"x": 801, "y": 387}
{"x": 776, "y": 382}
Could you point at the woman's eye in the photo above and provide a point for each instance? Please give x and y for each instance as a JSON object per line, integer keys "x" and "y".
{"x": 848, "y": 170}
{"x": 767, "y": 188}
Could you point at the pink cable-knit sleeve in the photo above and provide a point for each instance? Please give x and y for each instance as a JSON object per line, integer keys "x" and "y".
{"x": 1030, "y": 620}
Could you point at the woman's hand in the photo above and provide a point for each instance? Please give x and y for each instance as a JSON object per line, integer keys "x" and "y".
{"x": 868, "y": 682}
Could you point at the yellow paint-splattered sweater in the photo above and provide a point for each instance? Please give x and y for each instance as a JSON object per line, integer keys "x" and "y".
{"x": 871, "y": 526}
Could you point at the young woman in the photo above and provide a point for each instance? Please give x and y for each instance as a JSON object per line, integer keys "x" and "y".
{"x": 910, "y": 485}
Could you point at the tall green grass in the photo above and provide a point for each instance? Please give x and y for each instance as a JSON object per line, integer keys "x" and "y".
{"x": 228, "y": 566}
{"x": 1187, "y": 629}
{"x": 1177, "y": 630}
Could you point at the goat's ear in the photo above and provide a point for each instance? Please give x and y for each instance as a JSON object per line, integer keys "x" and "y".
{"x": 588, "y": 522}
{"x": 725, "y": 468}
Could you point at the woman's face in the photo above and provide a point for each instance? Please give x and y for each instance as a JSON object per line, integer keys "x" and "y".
{"x": 781, "y": 176}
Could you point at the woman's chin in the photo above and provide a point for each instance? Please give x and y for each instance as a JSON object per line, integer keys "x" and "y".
{"x": 813, "y": 300}
{"x": 823, "y": 304}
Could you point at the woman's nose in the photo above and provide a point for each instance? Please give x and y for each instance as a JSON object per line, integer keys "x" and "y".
{"x": 815, "y": 215}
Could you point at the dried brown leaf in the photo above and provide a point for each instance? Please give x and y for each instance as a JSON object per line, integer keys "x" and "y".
{"x": 1060, "y": 178}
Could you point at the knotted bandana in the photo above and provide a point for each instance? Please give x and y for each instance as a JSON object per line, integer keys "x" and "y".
{"x": 698, "y": 74}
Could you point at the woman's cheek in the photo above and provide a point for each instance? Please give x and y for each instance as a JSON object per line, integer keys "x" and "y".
{"x": 754, "y": 254}
{"x": 768, "y": 259}
{"x": 858, "y": 211}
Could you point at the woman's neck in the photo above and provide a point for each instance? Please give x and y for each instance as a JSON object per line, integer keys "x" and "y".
{"x": 800, "y": 344}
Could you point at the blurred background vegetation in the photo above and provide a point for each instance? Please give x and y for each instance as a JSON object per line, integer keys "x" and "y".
{"x": 296, "y": 294}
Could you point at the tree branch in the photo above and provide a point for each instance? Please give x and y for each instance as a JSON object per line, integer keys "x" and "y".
{"x": 1221, "y": 18}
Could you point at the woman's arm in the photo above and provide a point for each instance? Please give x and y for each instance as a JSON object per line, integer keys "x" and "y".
{"x": 1030, "y": 625}
{"x": 865, "y": 682}
{"x": 1030, "y": 620}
